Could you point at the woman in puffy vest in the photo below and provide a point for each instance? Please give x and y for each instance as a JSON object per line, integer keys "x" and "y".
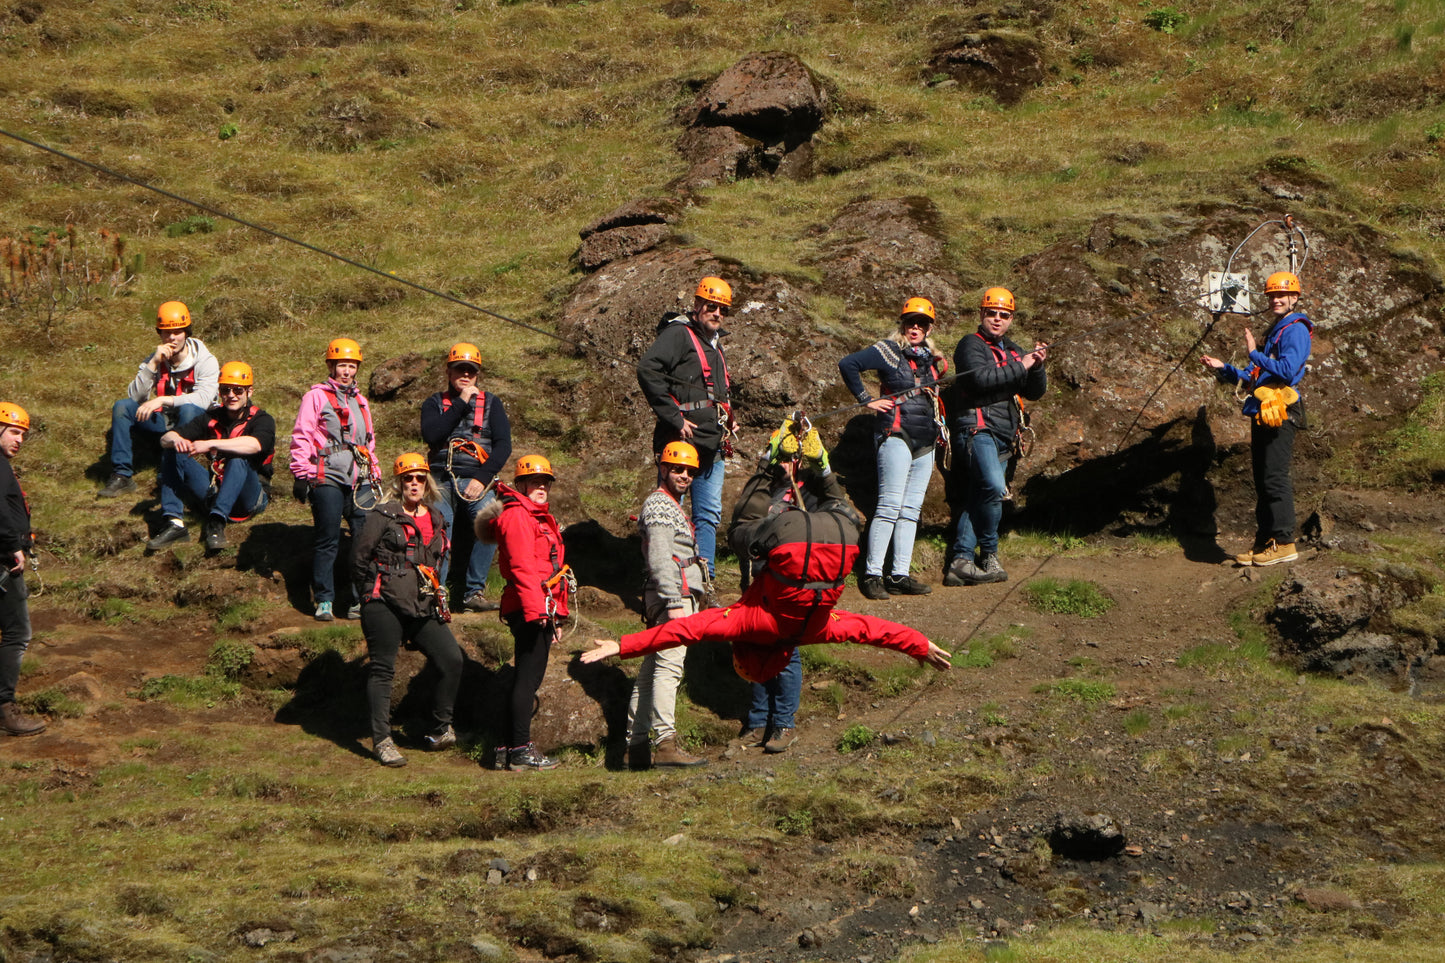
{"x": 394, "y": 561}
{"x": 907, "y": 429}
{"x": 530, "y": 555}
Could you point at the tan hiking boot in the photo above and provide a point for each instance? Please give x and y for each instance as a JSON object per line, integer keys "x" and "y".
{"x": 1245, "y": 558}
{"x": 1274, "y": 553}
{"x": 667, "y": 754}
{"x": 16, "y": 723}
{"x": 780, "y": 740}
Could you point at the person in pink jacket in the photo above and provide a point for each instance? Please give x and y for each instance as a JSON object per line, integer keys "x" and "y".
{"x": 332, "y": 460}
{"x": 532, "y": 557}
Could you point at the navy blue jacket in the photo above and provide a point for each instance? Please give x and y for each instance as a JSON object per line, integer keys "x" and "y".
{"x": 914, "y": 418}
{"x": 989, "y": 376}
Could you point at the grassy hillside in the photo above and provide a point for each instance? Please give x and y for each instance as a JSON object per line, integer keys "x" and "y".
{"x": 462, "y": 144}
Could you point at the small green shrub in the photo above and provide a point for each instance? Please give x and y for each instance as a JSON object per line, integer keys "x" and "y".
{"x": 29, "y": 665}
{"x": 856, "y": 737}
{"x": 341, "y": 639}
{"x": 1164, "y": 19}
{"x": 227, "y": 131}
{"x": 1087, "y": 691}
{"x": 799, "y": 822}
{"x": 189, "y": 692}
{"x": 228, "y": 659}
{"x": 1435, "y": 133}
{"x": 51, "y": 702}
{"x": 1074, "y": 597}
{"x": 241, "y": 616}
{"x": 195, "y": 224}
{"x": 1137, "y": 721}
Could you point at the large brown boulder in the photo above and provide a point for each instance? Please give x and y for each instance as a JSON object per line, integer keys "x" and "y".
{"x": 1004, "y": 65}
{"x": 634, "y": 227}
{"x": 758, "y": 117}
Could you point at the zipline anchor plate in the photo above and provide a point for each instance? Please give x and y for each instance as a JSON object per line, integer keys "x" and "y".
{"x": 1228, "y": 293}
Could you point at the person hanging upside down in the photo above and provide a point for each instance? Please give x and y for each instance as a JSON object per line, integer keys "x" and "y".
{"x": 806, "y": 547}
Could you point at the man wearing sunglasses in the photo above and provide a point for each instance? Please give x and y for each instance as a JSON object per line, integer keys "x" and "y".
{"x": 685, "y": 379}
{"x": 239, "y": 438}
{"x": 677, "y": 585}
{"x": 993, "y": 372}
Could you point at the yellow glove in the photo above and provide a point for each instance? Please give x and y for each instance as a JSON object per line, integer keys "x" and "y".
{"x": 1274, "y": 404}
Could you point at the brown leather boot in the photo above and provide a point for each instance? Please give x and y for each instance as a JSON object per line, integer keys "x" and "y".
{"x": 667, "y": 754}
{"x": 16, "y": 723}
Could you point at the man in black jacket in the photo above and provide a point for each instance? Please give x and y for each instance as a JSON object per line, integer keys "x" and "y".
{"x": 986, "y": 420}
{"x": 14, "y": 544}
{"x": 685, "y": 378}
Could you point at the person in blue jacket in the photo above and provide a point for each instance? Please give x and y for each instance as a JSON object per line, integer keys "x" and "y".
{"x": 906, "y": 432}
{"x": 469, "y": 439}
{"x": 1277, "y": 412}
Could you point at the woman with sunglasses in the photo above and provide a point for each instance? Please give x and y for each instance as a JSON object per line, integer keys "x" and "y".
{"x": 531, "y": 556}
{"x": 906, "y": 431}
{"x": 395, "y": 561}
{"x": 677, "y": 584}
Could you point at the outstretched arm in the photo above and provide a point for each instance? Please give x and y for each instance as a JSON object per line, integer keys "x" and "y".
{"x": 938, "y": 658}
{"x": 603, "y": 649}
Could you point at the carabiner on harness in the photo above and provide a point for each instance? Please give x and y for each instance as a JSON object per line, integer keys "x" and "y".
{"x": 432, "y": 588}
{"x": 468, "y": 447}
{"x": 372, "y": 472}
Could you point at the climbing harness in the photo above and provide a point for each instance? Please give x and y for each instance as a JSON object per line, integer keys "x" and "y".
{"x": 724, "y": 409}
{"x": 431, "y": 587}
{"x": 219, "y": 459}
{"x": 370, "y": 471}
{"x": 471, "y": 447}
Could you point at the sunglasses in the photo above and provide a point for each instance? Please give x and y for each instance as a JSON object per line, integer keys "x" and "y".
{"x": 232, "y": 389}
{"x": 466, "y": 369}
{"x": 713, "y": 306}
{"x": 687, "y": 470}
{"x": 1001, "y": 315}
{"x": 417, "y": 477}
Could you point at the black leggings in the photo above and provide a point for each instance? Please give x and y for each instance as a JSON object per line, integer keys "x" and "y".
{"x": 385, "y": 629}
{"x": 533, "y": 642}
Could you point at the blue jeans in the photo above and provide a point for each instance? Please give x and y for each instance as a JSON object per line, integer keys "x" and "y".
{"x": 14, "y": 633}
{"x": 775, "y": 701}
{"x": 705, "y": 497}
{"x": 984, "y": 459}
{"x": 902, "y": 483}
{"x": 123, "y": 422}
{"x": 239, "y": 496}
{"x": 480, "y": 562}
{"x": 329, "y": 505}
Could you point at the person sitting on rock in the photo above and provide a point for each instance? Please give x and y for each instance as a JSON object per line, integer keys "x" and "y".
{"x": 240, "y": 439}
{"x": 803, "y": 534}
{"x": 181, "y": 372}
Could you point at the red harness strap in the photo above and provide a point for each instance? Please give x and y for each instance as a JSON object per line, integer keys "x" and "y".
{"x": 479, "y": 425}
{"x": 219, "y": 459}
{"x": 169, "y": 384}
{"x": 1001, "y": 358}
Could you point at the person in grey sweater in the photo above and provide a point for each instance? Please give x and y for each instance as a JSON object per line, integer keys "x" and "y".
{"x": 677, "y": 586}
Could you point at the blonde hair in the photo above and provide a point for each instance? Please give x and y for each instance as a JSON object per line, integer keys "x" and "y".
{"x": 901, "y": 339}
{"x": 431, "y": 496}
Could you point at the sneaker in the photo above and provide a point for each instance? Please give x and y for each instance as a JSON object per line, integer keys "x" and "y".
{"x": 963, "y": 571}
{"x": 175, "y": 531}
{"x": 872, "y": 587}
{"x": 353, "y": 613}
{"x": 13, "y": 722}
{"x": 438, "y": 741}
{"x": 527, "y": 757}
{"x": 781, "y": 740}
{"x": 118, "y": 485}
{"x": 905, "y": 585}
{"x": 992, "y": 570}
{"x": 752, "y": 738}
{"x": 666, "y": 753}
{"x": 1273, "y": 553}
{"x": 215, "y": 535}
{"x": 387, "y": 754}
{"x": 477, "y": 602}
{"x": 499, "y": 758}
{"x": 324, "y": 613}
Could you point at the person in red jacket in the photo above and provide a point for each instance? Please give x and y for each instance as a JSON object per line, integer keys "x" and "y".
{"x": 806, "y": 553}
{"x": 531, "y": 557}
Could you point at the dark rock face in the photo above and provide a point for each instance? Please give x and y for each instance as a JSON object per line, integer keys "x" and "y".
{"x": 757, "y": 117}
{"x": 878, "y": 252}
{"x": 394, "y": 374}
{"x": 1003, "y": 65}
{"x": 1342, "y": 625}
{"x": 1086, "y": 836}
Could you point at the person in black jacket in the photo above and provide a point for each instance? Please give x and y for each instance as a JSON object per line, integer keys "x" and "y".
{"x": 469, "y": 440}
{"x": 15, "y": 542}
{"x": 992, "y": 372}
{"x": 685, "y": 379}
{"x": 395, "y": 561}
{"x": 906, "y": 430}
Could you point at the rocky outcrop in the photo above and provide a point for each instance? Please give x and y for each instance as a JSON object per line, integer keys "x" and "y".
{"x": 758, "y": 117}
{"x": 633, "y": 228}
{"x": 1006, "y": 66}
